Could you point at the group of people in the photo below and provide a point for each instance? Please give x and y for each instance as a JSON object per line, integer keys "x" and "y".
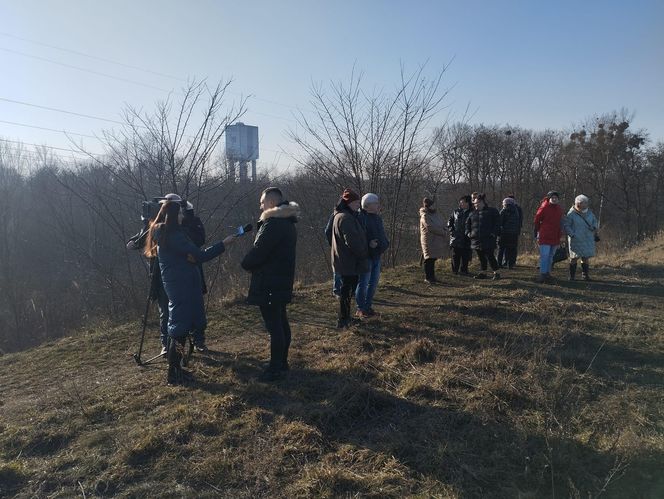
{"x": 475, "y": 225}
{"x": 173, "y": 242}
{"x": 357, "y": 239}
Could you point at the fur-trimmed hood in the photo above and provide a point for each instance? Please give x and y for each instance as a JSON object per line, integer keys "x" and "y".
{"x": 284, "y": 210}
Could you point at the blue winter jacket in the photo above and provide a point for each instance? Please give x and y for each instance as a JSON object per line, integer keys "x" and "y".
{"x": 373, "y": 224}
{"x": 580, "y": 228}
{"x": 182, "y": 279}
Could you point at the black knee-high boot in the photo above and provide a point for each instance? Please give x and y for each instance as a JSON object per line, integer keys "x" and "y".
{"x": 584, "y": 271}
{"x": 572, "y": 271}
{"x": 175, "y": 353}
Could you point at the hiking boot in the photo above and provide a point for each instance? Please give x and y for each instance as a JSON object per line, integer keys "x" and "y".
{"x": 343, "y": 323}
{"x": 431, "y": 281}
{"x": 481, "y": 275}
{"x": 361, "y": 314}
{"x": 548, "y": 278}
{"x": 373, "y": 313}
{"x": 464, "y": 273}
{"x": 496, "y": 276}
{"x": 584, "y": 271}
{"x": 541, "y": 279}
{"x": 572, "y": 271}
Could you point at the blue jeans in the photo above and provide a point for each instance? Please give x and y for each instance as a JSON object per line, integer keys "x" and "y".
{"x": 366, "y": 287}
{"x": 546, "y": 257}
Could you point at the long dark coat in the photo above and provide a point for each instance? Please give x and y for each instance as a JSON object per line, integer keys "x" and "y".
{"x": 272, "y": 259}
{"x": 182, "y": 279}
{"x": 350, "y": 248}
{"x": 456, "y": 225}
{"x": 483, "y": 227}
{"x": 510, "y": 226}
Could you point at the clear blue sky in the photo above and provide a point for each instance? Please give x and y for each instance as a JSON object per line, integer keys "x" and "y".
{"x": 533, "y": 63}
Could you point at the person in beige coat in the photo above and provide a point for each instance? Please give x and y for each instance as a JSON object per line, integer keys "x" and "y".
{"x": 433, "y": 235}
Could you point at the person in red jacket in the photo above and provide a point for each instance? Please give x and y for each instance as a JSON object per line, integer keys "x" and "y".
{"x": 548, "y": 231}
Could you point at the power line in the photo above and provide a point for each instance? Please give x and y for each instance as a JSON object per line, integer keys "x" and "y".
{"x": 51, "y": 147}
{"x": 70, "y": 66}
{"x": 90, "y": 56}
{"x": 23, "y": 103}
{"x": 66, "y": 132}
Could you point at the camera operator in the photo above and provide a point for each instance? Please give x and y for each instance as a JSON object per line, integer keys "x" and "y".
{"x": 196, "y": 232}
{"x": 178, "y": 260}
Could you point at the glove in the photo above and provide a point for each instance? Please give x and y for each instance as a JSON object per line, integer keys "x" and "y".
{"x": 534, "y": 234}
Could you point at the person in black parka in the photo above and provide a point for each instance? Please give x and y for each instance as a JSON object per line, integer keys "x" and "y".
{"x": 178, "y": 260}
{"x": 510, "y": 228}
{"x": 459, "y": 241}
{"x": 483, "y": 228}
{"x": 271, "y": 262}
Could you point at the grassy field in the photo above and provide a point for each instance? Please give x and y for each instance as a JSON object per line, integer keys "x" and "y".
{"x": 467, "y": 389}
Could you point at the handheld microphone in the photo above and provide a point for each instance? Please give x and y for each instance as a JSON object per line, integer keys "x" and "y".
{"x": 243, "y": 229}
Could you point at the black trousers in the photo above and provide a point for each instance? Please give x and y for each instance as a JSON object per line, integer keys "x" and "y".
{"x": 460, "y": 259}
{"x": 507, "y": 256}
{"x": 430, "y": 269}
{"x": 348, "y": 287}
{"x": 487, "y": 256}
{"x": 276, "y": 323}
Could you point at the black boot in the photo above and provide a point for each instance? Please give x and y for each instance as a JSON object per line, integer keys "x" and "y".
{"x": 175, "y": 354}
{"x": 344, "y": 312}
{"x": 584, "y": 271}
{"x": 572, "y": 271}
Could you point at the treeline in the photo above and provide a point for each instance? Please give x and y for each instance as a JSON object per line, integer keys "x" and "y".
{"x": 64, "y": 227}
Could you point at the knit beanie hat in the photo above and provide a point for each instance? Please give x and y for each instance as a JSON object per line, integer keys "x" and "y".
{"x": 349, "y": 196}
{"x": 550, "y": 194}
{"x": 369, "y": 198}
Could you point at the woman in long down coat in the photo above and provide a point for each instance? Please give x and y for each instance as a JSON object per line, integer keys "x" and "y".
{"x": 548, "y": 231}
{"x": 432, "y": 238}
{"x": 581, "y": 227}
{"x": 178, "y": 259}
{"x": 510, "y": 227}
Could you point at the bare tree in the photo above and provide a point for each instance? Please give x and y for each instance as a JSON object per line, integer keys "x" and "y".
{"x": 372, "y": 141}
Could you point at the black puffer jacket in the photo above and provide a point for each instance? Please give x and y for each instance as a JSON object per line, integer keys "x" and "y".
{"x": 510, "y": 221}
{"x": 272, "y": 259}
{"x": 483, "y": 227}
{"x": 457, "y": 227}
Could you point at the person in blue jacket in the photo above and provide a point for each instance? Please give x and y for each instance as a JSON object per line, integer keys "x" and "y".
{"x": 178, "y": 261}
{"x": 372, "y": 222}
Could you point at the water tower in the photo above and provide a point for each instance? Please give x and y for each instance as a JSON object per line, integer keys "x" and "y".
{"x": 241, "y": 148}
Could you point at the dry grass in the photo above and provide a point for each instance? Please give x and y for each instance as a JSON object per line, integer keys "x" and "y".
{"x": 468, "y": 389}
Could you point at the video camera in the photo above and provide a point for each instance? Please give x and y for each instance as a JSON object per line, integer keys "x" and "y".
{"x": 151, "y": 208}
